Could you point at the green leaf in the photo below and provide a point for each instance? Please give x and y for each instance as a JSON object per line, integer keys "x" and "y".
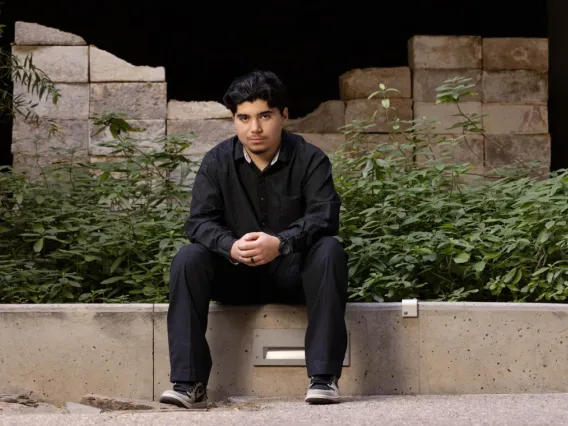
{"x": 509, "y": 276}
{"x": 462, "y": 257}
{"x": 112, "y": 280}
{"x": 543, "y": 237}
{"x": 116, "y": 264}
{"x": 39, "y": 199}
{"x": 90, "y": 258}
{"x": 84, "y": 297}
{"x": 518, "y": 276}
{"x": 104, "y": 176}
{"x": 549, "y": 224}
{"x": 386, "y": 103}
{"x": 429, "y": 257}
{"x": 38, "y": 227}
{"x": 164, "y": 243}
{"x": 67, "y": 293}
{"x": 479, "y": 266}
{"x": 38, "y": 245}
{"x": 540, "y": 271}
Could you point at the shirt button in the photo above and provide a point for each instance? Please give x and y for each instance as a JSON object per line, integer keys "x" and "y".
{"x": 263, "y": 223}
{"x": 261, "y": 198}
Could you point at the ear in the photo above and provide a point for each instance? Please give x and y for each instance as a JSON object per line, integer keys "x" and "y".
{"x": 285, "y": 113}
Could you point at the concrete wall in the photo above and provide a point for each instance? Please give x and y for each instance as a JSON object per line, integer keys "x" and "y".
{"x": 511, "y": 76}
{"x": 61, "y": 352}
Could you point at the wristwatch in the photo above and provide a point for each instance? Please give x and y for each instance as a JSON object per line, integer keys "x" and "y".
{"x": 285, "y": 247}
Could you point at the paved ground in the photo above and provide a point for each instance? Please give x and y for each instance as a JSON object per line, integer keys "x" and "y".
{"x": 514, "y": 410}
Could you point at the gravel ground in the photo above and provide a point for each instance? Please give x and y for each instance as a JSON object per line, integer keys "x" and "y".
{"x": 517, "y": 410}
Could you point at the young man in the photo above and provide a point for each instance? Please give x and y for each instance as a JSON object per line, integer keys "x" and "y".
{"x": 263, "y": 214}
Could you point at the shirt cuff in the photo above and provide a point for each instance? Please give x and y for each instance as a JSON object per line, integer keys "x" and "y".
{"x": 225, "y": 247}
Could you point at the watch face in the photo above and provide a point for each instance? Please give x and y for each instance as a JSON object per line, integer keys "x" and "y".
{"x": 284, "y": 248}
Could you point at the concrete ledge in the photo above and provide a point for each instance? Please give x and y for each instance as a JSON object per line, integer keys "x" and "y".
{"x": 61, "y": 352}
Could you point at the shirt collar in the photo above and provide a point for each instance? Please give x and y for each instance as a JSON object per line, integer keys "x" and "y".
{"x": 283, "y": 154}
{"x": 274, "y": 160}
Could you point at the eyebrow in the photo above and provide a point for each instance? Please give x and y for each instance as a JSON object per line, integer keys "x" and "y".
{"x": 267, "y": 112}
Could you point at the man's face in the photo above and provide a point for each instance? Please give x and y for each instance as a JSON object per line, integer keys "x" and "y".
{"x": 258, "y": 126}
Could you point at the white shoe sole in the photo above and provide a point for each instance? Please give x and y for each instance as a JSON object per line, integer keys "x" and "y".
{"x": 322, "y": 397}
{"x": 169, "y": 397}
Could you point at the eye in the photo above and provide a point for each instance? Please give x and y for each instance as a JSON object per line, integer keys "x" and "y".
{"x": 266, "y": 116}
{"x": 244, "y": 119}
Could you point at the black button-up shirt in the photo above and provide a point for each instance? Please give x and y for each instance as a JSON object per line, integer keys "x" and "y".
{"x": 293, "y": 198}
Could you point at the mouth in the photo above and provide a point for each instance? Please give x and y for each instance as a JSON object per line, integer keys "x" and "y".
{"x": 257, "y": 140}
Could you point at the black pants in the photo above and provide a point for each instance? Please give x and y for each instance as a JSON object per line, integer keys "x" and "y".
{"x": 317, "y": 278}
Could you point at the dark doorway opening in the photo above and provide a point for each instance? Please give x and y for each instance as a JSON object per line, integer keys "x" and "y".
{"x": 204, "y": 46}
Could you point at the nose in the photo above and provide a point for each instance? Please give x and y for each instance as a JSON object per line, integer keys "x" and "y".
{"x": 255, "y": 126}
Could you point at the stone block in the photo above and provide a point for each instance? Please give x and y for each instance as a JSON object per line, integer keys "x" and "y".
{"x": 444, "y": 52}
{"x": 515, "y": 86}
{"x": 32, "y": 165}
{"x": 383, "y": 143}
{"x": 62, "y": 352}
{"x": 360, "y": 83}
{"x": 426, "y": 81}
{"x": 329, "y": 142}
{"x": 63, "y": 64}
{"x": 328, "y": 117}
{"x": 515, "y": 53}
{"x": 142, "y": 101}
{"x": 208, "y": 133}
{"x": 178, "y": 110}
{"x": 515, "y": 119}
{"x": 72, "y": 105}
{"x": 145, "y": 140}
{"x": 445, "y": 114}
{"x": 32, "y": 34}
{"x": 185, "y": 174}
{"x": 493, "y": 348}
{"x": 105, "y": 67}
{"x": 33, "y": 146}
{"x": 363, "y": 109}
{"x": 450, "y": 149}
{"x": 502, "y": 150}
{"x": 71, "y": 136}
{"x": 383, "y": 360}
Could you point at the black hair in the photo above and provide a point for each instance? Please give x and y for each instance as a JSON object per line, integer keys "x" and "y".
{"x": 256, "y": 85}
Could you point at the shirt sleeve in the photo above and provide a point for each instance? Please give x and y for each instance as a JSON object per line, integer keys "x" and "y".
{"x": 206, "y": 223}
{"x": 321, "y": 217}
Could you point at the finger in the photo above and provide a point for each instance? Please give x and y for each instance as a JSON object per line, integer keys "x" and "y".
{"x": 247, "y": 246}
{"x": 248, "y": 256}
{"x": 248, "y": 260}
{"x": 257, "y": 261}
{"x": 251, "y": 236}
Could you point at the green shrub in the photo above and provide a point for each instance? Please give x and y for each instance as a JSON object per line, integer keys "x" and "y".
{"x": 102, "y": 232}
{"x": 419, "y": 226}
{"x": 414, "y": 222}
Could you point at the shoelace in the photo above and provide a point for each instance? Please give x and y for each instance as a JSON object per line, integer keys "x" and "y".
{"x": 322, "y": 381}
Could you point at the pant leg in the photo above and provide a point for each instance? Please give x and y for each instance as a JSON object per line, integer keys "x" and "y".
{"x": 325, "y": 280}
{"x": 192, "y": 272}
{"x": 198, "y": 276}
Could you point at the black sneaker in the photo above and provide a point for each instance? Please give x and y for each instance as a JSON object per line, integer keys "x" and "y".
{"x": 323, "y": 390}
{"x": 191, "y": 396}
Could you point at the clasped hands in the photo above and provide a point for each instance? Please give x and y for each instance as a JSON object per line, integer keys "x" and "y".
{"x": 255, "y": 249}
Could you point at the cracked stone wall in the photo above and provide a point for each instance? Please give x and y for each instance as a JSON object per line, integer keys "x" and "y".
{"x": 511, "y": 76}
